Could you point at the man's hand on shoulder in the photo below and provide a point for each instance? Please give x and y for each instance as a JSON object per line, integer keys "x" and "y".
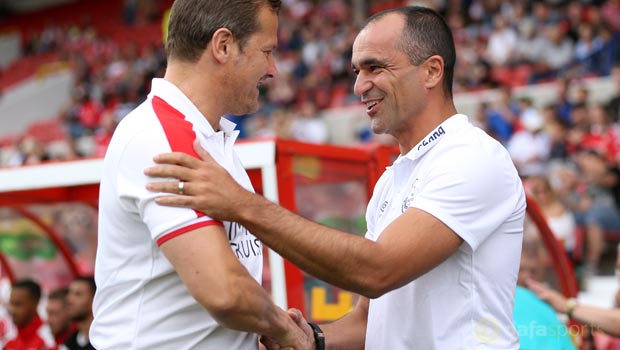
{"x": 207, "y": 186}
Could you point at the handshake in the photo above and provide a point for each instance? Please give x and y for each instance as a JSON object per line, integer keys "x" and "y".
{"x": 300, "y": 335}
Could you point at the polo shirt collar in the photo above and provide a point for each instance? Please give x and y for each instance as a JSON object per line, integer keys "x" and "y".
{"x": 177, "y": 99}
{"x": 450, "y": 125}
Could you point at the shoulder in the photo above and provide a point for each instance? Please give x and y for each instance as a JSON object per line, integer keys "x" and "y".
{"x": 472, "y": 153}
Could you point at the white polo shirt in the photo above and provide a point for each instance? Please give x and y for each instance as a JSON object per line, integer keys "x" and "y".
{"x": 141, "y": 303}
{"x": 466, "y": 179}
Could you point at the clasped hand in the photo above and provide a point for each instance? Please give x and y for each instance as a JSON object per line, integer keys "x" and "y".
{"x": 300, "y": 337}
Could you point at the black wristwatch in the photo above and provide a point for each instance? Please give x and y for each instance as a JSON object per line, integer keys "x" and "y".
{"x": 319, "y": 336}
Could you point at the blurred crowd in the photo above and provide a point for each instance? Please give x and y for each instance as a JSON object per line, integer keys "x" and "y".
{"x": 500, "y": 44}
{"x": 38, "y": 320}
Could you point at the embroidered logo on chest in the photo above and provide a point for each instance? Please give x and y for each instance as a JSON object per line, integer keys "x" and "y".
{"x": 409, "y": 198}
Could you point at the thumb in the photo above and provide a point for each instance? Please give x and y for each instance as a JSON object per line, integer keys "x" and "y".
{"x": 533, "y": 285}
{"x": 296, "y": 315}
{"x": 204, "y": 155}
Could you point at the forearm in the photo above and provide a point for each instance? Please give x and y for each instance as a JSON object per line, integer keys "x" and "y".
{"x": 606, "y": 320}
{"x": 221, "y": 284}
{"x": 339, "y": 258}
{"x": 349, "y": 332}
{"x": 250, "y": 309}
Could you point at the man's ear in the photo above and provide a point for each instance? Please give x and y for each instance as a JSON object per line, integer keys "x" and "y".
{"x": 222, "y": 45}
{"x": 434, "y": 71}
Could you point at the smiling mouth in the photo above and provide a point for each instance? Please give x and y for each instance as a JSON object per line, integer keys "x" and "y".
{"x": 371, "y": 106}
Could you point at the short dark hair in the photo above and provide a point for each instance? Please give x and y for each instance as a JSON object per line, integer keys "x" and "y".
{"x": 90, "y": 280}
{"x": 426, "y": 34}
{"x": 193, "y": 22}
{"x": 58, "y": 294}
{"x": 30, "y": 286}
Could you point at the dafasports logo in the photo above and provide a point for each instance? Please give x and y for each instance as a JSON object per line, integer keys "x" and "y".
{"x": 433, "y": 137}
{"x": 487, "y": 330}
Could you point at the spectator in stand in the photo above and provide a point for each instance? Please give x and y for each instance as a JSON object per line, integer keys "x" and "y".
{"x": 58, "y": 317}
{"x": 532, "y": 315}
{"x": 89, "y": 113}
{"x": 586, "y": 48}
{"x": 529, "y": 43}
{"x": 308, "y": 125}
{"x": 563, "y": 102}
{"x": 609, "y": 54}
{"x": 80, "y": 308}
{"x": 103, "y": 134}
{"x": 557, "y": 129}
{"x": 501, "y": 118}
{"x": 609, "y": 13}
{"x": 559, "y": 218}
{"x": 31, "y": 151}
{"x": 603, "y": 135}
{"x": 579, "y": 127}
{"x": 601, "y": 212}
{"x": 614, "y": 103}
{"x": 556, "y": 54}
{"x": 502, "y": 42}
{"x": 530, "y": 147}
{"x": 32, "y": 333}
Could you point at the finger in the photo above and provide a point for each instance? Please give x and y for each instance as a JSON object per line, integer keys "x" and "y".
{"x": 269, "y": 344}
{"x": 532, "y": 284}
{"x": 296, "y": 315}
{"x": 179, "y": 158}
{"x": 202, "y": 152}
{"x": 176, "y": 201}
{"x": 171, "y": 187}
{"x": 169, "y": 171}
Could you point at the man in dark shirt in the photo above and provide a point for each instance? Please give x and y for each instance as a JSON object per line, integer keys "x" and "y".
{"x": 80, "y": 306}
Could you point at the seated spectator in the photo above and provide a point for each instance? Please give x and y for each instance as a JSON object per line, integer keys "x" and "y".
{"x": 80, "y": 307}
{"x": 308, "y": 126}
{"x": 557, "y": 129}
{"x": 557, "y": 53}
{"x": 587, "y": 46}
{"x": 529, "y": 147}
{"x": 32, "y": 333}
{"x": 614, "y": 103}
{"x": 529, "y": 43}
{"x": 559, "y": 218}
{"x": 537, "y": 324}
{"x": 501, "y": 117}
{"x": 563, "y": 102}
{"x": 502, "y": 42}
{"x": 58, "y": 317}
{"x": 604, "y": 136}
{"x": 594, "y": 203}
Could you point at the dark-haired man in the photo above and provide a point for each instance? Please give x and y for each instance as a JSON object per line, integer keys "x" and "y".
{"x": 32, "y": 333}
{"x": 58, "y": 317}
{"x": 438, "y": 267}
{"x": 80, "y": 309}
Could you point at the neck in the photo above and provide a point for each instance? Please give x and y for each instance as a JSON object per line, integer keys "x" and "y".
{"x": 197, "y": 85}
{"x": 84, "y": 326}
{"x": 422, "y": 124}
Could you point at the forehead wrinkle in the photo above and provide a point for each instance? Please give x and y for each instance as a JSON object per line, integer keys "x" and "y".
{"x": 369, "y": 62}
